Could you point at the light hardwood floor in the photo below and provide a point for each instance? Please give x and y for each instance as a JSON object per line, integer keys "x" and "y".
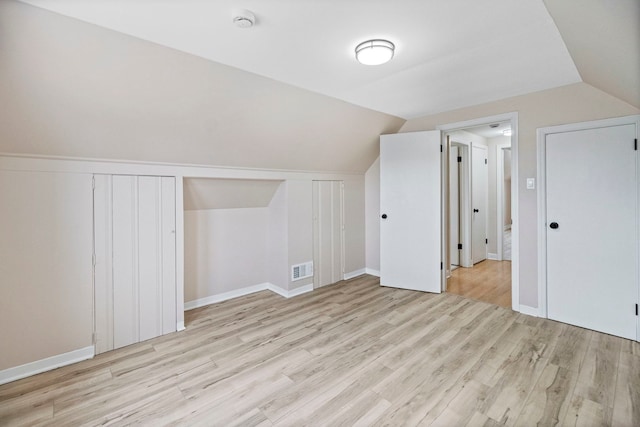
{"x": 349, "y": 354}
{"x": 488, "y": 281}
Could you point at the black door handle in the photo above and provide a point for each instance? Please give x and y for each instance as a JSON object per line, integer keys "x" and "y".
{"x": 476, "y": 210}
{"x": 384, "y": 216}
{"x": 554, "y": 225}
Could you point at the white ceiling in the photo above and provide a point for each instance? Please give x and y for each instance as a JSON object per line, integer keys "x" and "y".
{"x": 487, "y": 131}
{"x": 449, "y": 54}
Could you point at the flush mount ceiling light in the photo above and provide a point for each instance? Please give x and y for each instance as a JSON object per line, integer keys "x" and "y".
{"x": 374, "y": 52}
{"x": 507, "y": 132}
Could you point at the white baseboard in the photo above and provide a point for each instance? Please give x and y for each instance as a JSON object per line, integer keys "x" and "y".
{"x": 356, "y": 273}
{"x": 372, "y": 272}
{"x": 53, "y": 362}
{"x": 292, "y": 293}
{"x": 180, "y": 326}
{"x": 201, "y": 302}
{"x": 493, "y": 256}
{"x": 529, "y": 311}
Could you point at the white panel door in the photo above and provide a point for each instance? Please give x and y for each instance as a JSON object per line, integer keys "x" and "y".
{"x": 410, "y": 208}
{"x": 135, "y": 247}
{"x": 168, "y": 247}
{"x": 592, "y": 229}
{"x": 149, "y": 258}
{"x": 103, "y": 268}
{"x": 327, "y": 232}
{"x": 125, "y": 267}
{"x": 479, "y": 204}
{"x": 454, "y": 205}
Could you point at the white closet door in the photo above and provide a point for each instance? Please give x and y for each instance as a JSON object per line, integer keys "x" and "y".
{"x": 168, "y": 260}
{"x": 126, "y": 281}
{"x": 592, "y": 229}
{"x": 103, "y": 268}
{"x": 327, "y": 232}
{"x": 135, "y": 259}
{"x": 410, "y": 209}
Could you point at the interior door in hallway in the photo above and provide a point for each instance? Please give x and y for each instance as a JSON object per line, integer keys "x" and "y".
{"x": 411, "y": 211}
{"x": 592, "y": 229}
{"x": 328, "y": 229}
{"x": 479, "y": 203}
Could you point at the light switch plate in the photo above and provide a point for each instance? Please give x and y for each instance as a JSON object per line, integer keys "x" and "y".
{"x": 531, "y": 183}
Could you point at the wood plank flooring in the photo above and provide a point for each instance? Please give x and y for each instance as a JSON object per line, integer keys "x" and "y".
{"x": 350, "y": 354}
{"x": 488, "y": 281}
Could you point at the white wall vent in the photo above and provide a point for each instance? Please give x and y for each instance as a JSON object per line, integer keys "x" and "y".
{"x": 301, "y": 271}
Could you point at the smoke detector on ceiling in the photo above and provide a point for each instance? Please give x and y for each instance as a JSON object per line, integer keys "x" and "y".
{"x": 244, "y": 19}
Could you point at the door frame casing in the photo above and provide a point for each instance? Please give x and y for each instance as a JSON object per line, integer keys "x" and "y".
{"x": 542, "y": 196}
{"x": 515, "y": 235}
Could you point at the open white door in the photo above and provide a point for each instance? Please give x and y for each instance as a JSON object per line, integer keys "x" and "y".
{"x": 410, "y": 210}
{"x": 479, "y": 182}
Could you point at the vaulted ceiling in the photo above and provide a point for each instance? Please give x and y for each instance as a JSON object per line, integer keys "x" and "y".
{"x": 449, "y": 54}
{"x": 176, "y": 81}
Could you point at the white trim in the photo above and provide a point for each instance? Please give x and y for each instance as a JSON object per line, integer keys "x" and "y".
{"x": 43, "y": 365}
{"x": 529, "y": 311}
{"x": 180, "y": 326}
{"x": 372, "y": 272}
{"x": 515, "y": 201}
{"x": 201, "y": 302}
{"x": 541, "y": 135}
{"x": 292, "y": 293}
{"x": 355, "y": 273}
{"x": 499, "y": 199}
{"x": 21, "y": 162}
{"x": 493, "y": 257}
{"x": 180, "y": 251}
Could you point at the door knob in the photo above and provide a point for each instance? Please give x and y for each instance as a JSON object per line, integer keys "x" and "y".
{"x": 384, "y": 216}
{"x": 476, "y": 210}
{"x": 554, "y": 225}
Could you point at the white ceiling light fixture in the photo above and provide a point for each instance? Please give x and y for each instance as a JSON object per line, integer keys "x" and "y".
{"x": 375, "y": 52}
{"x": 507, "y": 132}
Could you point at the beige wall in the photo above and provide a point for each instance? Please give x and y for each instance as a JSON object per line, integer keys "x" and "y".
{"x": 46, "y": 292}
{"x": 225, "y": 250}
{"x": 300, "y": 228}
{"x": 567, "y": 104}
{"x": 74, "y": 89}
{"x": 354, "y": 224}
{"x": 278, "y": 238}
{"x": 372, "y": 220}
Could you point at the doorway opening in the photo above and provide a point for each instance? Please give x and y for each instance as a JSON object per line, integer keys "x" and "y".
{"x": 478, "y": 211}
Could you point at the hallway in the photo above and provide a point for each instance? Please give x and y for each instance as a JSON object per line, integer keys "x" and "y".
{"x": 488, "y": 281}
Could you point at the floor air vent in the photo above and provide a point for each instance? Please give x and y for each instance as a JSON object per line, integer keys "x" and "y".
{"x": 301, "y": 271}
